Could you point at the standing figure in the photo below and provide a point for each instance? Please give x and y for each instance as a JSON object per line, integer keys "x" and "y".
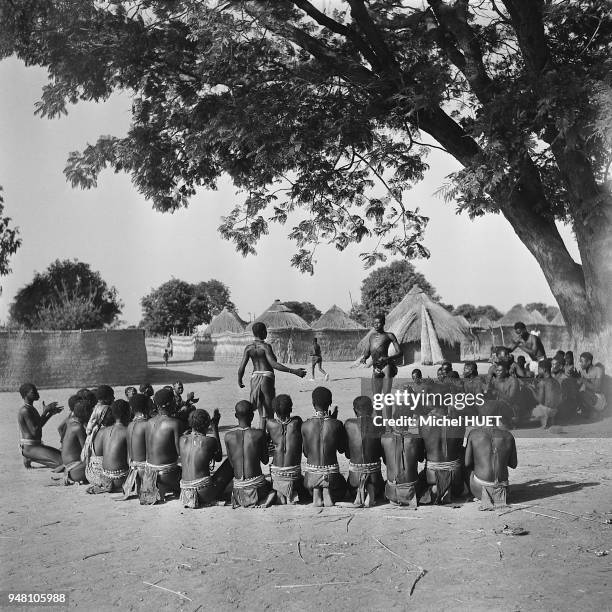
{"x": 31, "y": 423}
{"x": 262, "y": 379}
{"x": 384, "y": 367}
{"x": 317, "y": 360}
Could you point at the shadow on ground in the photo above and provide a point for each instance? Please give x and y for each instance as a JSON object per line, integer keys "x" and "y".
{"x": 167, "y": 376}
{"x": 533, "y": 490}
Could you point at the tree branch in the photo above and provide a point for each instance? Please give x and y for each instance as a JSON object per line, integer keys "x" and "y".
{"x": 466, "y": 54}
{"x": 361, "y": 16}
{"x": 339, "y": 28}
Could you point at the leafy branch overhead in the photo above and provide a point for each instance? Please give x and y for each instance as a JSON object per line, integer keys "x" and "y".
{"x": 329, "y": 115}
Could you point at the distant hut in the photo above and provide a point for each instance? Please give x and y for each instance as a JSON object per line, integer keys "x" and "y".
{"x": 226, "y": 321}
{"x": 284, "y": 325}
{"x": 220, "y": 339}
{"x": 539, "y": 318}
{"x": 338, "y": 335}
{"x": 559, "y": 321}
{"x": 514, "y": 315}
{"x": 426, "y": 331}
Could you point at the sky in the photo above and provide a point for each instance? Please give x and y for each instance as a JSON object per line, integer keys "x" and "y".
{"x": 115, "y": 230}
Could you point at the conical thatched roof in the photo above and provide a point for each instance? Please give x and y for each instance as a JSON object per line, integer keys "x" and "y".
{"x": 515, "y": 314}
{"x": 278, "y": 316}
{"x": 463, "y": 320}
{"x": 539, "y": 318}
{"x": 558, "y": 320}
{"x": 336, "y": 318}
{"x": 226, "y": 321}
{"x": 405, "y": 320}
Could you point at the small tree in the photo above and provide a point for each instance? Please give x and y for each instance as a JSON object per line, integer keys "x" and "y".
{"x": 68, "y": 295}
{"x": 385, "y": 287}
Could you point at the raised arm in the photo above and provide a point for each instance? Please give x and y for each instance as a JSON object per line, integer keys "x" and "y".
{"x": 218, "y": 456}
{"x": 279, "y": 366}
{"x": 242, "y": 367}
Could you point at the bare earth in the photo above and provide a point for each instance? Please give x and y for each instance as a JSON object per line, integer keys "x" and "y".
{"x": 102, "y": 552}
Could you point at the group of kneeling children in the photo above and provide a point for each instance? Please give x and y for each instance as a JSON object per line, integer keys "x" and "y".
{"x": 157, "y": 444}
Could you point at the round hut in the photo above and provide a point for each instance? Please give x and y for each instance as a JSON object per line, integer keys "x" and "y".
{"x": 338, "y": 335}
{"x": 290, "y": 336}
{"x": 426, "y": 331}
{"x": 222, "y": 339}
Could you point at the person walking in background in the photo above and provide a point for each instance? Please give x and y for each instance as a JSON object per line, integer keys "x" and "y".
{"x": 317, "y": 360}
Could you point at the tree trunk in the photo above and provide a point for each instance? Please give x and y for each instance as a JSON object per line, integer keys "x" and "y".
{"x": 583, "y": 293}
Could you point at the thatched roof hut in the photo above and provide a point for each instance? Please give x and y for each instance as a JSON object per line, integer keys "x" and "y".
{"x": 278, "y": 316}
{"x": 559, "y": 320}
{"x": 463, "y": 321}
{"x": 335, "y": 318}
{"x": 225, "y": 321}
{"x": 338, "y": 335}
{"x": 539, "y": 318}
{"x": 426, "y": 331}
{"x": 515, "y": 314}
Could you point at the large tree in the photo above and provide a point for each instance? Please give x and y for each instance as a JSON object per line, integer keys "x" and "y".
{"x": 473, "y": 313}
{"x": 179, "y": 306}
{"x": 386, "y": 286}
{"x": 67, "y": 295}
{"x": 322, "y": 110}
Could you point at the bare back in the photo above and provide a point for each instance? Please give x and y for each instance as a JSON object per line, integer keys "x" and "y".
{"x": 491, "y": 451}
{"x": 30, "y": 427}
{"x": 443, "y": 443}
{"x": 197, "y": 451}
{"x": 246, "y": 451}
{"x": 74, "y": 438}
{"x": 322, "y": 438}
{"x": 402, "y": 451}
{"x": 162, "y": 439}
{"x": 114, "y": 447}
{"x": 257, "y": 353}
{"x": 137, "y": 440}
{"x": 287, "y": 440}
{"x": 363, "y": 440}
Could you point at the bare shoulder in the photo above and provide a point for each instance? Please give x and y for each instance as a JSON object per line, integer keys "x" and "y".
{"x": 297, "y": 420}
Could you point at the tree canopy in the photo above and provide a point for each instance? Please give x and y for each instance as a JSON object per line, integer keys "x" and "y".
{"x": 473, "y": 313}
{"x": 9, "y": 240}
{"x": 309, "y": 312}
{"x": 386, "y": 286}
{"x": 330, "y": 114}
{"x": 67, "y": 295}
{"x": 179, "y": 306}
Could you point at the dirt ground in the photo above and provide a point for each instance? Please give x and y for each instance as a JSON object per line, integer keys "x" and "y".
{"x": 103, "y": 552}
